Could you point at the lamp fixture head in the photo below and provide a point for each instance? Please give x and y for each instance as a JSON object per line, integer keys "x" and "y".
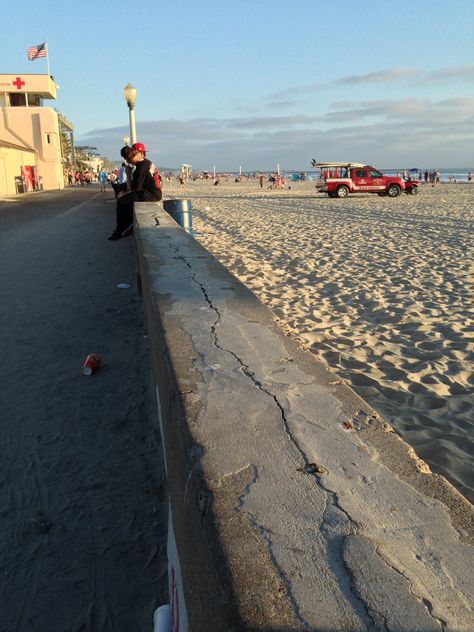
{"x": 129, "y": 92}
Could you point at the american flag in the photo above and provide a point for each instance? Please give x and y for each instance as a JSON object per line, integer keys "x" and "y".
{"x": 37, "y": 51}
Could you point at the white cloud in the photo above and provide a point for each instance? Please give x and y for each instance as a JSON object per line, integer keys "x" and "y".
{"x": 290, "y": 93}
{"x": 385, "y": 144}
{"x": 463, "y": 73}
{"x": 407, "y": 109}
{"x": 391, "y": 74}
{"x": 383, "y": 132}
{"x": 271, "y": 121}
{"x": 283, "y": 105}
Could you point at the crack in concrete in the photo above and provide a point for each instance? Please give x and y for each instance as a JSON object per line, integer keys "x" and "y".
{"x": 344, "y": 578}
{"x": 253, "y": 520}
{"x": 422, "y": 600}
{"x": 265, "y": 534}
{"x": 346, "y": 583}
{"x": 335, "y": 544}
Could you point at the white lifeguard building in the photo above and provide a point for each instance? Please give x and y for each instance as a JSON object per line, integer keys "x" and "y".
{"x": 32, "y": 136}
{"x": 186, "y": 171}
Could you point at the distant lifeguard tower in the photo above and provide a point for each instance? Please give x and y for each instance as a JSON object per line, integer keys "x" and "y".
{"x": 36, "y": 142}
{"x": 186, "y": 171}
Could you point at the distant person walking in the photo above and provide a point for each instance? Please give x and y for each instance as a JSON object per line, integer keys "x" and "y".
{"x": 103, "y": 180}
{"x": 143, "y": 189}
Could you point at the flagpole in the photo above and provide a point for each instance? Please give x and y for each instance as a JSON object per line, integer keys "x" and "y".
{"x": 47, "y": 55}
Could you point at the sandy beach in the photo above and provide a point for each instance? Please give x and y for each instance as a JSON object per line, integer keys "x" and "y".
{"x": 382, "y": 289}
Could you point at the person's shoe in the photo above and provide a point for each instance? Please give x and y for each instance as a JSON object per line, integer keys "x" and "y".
{"x": 114, "y": 236}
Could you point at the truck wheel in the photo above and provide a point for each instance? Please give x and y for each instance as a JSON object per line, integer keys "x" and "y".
{"x": 413, "y": 191}
{"x": 393, "y": 190}
{"x": 342, "y": 191}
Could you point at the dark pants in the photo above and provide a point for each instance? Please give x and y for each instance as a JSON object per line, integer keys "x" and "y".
{"x": 125, "y": 210}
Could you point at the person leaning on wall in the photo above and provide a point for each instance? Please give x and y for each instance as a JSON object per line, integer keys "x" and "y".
{"x": 141, "y": 187}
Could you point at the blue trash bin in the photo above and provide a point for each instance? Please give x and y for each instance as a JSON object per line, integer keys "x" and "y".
{"x": 182, "y": 213}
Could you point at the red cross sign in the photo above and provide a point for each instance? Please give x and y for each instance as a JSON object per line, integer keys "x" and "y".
{"x": 18, "y": 83}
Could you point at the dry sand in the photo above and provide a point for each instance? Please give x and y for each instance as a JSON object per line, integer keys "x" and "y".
{"x": 382, "y": 289}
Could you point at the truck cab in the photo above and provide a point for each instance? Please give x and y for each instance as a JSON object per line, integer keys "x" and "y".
{"x": 367, "y": 178}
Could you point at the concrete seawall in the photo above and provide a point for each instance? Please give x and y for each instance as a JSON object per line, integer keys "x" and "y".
{"x": 292, "y": 504}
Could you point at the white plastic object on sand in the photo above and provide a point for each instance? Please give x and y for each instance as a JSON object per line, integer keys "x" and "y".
{"x": 162, "y": 619}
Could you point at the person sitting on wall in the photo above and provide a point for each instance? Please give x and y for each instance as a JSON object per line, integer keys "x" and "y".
{"x": 142, "y": 188}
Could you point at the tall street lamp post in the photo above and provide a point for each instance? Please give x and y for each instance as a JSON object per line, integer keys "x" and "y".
{"x": 129, "y": 92}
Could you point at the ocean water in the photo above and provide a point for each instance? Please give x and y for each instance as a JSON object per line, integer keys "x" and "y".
{"x": 459, "y": 173}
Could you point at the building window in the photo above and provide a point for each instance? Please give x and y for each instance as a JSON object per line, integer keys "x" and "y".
{"x": 34, "y": 100}
{"x": 17, "y": 100}
{"x": 49, "y": 139}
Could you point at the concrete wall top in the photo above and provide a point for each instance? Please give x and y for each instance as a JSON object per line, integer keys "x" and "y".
{"x": 294, "y": 506}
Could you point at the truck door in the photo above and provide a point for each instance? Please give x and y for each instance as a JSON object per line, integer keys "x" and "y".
{"x": 359, "y": 179}
{"x": 376, "y": 180}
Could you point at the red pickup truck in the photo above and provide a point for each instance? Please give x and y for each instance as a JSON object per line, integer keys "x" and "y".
{"x": 338, "y": 179}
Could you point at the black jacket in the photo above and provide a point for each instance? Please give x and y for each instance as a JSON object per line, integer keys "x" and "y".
{"x": 143, "y": 182}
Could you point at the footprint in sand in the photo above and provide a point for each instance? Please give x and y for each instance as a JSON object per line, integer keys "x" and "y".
{"x": 429, "y": 402}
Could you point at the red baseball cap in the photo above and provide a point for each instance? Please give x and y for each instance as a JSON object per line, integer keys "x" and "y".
{"x": 139, "y": 147}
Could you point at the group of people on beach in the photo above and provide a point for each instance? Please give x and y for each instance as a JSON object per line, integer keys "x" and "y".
{"x": 433, "y": 176}
{"x": 454, "y": 180}
{"x": 80, "y": 178}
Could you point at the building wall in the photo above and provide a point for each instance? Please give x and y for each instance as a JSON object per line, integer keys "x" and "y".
{"x": 37, "y": 127}
{"x": 11, "y": 161}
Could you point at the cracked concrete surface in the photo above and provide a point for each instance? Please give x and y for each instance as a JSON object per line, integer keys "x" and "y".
{"x": 321, "y": 527}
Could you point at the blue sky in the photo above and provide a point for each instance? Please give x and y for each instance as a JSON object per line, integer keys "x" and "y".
{"x": 255, "y": 83}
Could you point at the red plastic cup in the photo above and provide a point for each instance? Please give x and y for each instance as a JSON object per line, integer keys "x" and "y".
{"x": 91, "y": 364}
